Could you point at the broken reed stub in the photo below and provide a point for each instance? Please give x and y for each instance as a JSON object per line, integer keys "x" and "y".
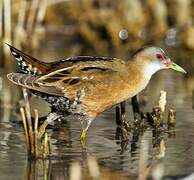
{"x": 162, "y": 101}
{"x": 171, "y": 117}
{"x": 156, "y": 117}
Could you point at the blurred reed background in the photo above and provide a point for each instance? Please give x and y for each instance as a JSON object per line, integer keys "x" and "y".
{"x": 94, "y": 27}
{"x": 100, "y": 25}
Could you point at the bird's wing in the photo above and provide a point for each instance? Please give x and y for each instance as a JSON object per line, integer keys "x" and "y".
{"x": 31, "y": 65}
{"x": 64, "y": 77}
{"x": 72, "y": 79}
{"x": 29, "y": 81}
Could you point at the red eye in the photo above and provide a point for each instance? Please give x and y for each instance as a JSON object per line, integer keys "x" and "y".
{"x": 159, "y": 56}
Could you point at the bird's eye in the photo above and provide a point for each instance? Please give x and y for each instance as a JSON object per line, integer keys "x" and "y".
{"x": 159, "y": 56}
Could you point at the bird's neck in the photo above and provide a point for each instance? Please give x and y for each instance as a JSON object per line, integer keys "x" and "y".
{"x": 145, "y": 68}
{"x": 139, "y": 75}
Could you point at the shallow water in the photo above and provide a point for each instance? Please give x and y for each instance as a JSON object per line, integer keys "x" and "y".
{"x": 114, "y": 162}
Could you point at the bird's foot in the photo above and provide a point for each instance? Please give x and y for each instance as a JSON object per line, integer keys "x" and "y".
{"x": 42, "y": 129}
{"x": 83, "y": 137}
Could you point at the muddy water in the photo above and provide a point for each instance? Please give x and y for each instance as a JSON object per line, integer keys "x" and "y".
{"x": 113, "y": 160}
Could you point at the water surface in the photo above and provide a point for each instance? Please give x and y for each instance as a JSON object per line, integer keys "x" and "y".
{"x": 101, "y": 144}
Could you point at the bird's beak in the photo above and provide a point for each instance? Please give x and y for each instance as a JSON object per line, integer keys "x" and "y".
{"x": 176, "y": 67}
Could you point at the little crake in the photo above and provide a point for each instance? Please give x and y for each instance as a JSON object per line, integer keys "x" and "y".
{"x": 85, "y": 85}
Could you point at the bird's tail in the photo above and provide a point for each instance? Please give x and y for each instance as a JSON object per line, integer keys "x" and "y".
{"x": 29, "y": 81}
{"x": 28, "y": 64}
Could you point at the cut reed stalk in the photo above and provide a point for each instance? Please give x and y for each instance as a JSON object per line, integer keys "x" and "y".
{"x": 162, "y": 101}
{"x": 22, "y": 112}
{"x": 158, "y": 111}
{"x": 36, "y": 120}
{"x": 33, "y": 140}
{"x": 36, "y": 148}
{"x": 171, "y": 118}
{"x": 29, "y": 121}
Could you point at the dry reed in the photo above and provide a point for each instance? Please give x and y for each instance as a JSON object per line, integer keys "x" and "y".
{"x": 37, "y": 146}
{"x": 32, "y": 16}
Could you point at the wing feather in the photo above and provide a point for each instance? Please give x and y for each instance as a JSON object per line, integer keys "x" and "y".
{"x": 69, "y": 77}
{"x": 81, "y": 70}
{"x": 80, "y": 75}
{"x": 29, "y": 81}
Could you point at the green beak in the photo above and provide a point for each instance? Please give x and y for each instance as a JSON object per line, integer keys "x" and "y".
{"x": 176, "y": 67}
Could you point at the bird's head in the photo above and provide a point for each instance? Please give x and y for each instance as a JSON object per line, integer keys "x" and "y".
{"x": 155, "y": 59}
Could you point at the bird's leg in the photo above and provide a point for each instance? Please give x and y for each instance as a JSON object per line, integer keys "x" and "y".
{"x": 136, "y": 109}
{"x": 50, "y": 118}
{"x": 125, "y": 127}
{"x": 83, "y": 135}
{"x": 123, "y": 124}
{"x": 85, "y": 122}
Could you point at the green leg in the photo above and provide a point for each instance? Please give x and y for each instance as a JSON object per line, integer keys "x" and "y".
{"x": 83, "y": 138}
{"x": 85, "y": 125}
{"x": 83, "y": 135}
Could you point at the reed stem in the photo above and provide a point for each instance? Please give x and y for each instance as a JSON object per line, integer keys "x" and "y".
{"x": 1, "y": 18}
{"x": 32, "y": 16}
{"x": 29, "y": 121}
{"x": 36, "y": 148}
{"x": 22, "y": 112}
{"x": 20, "y": 33}
{"x": 41, "y": 11}
{"x": 7, "y": 20}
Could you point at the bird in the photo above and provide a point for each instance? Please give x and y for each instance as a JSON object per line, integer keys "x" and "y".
{"x": 86, "y": 86}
